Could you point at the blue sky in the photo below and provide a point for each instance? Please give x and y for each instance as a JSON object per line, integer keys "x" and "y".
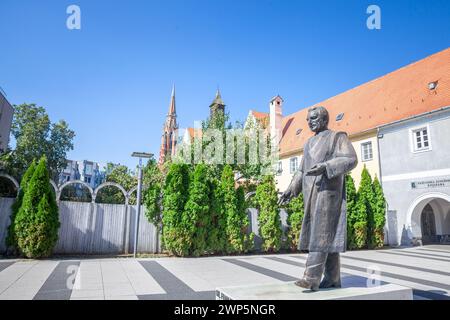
{"x": 112, "y": 79}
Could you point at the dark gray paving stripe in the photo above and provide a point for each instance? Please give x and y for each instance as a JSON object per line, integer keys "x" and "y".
{"x": 430, "y": 295}
{"x": 395, "y": 276}
{"x": 5, "y": 264}
{"x": 56, "y": 286}
{"x": 169, "y": 282}
{"x": 413, "y": 255}
{"x": 398, "y": 265}
{"x": 444, "y": 256}
{"x": 446, "y": 252}
{"x": 201, "y": 295}
{"x": 264, "y": 271}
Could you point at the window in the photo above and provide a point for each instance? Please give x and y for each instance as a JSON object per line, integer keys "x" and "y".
{"x": 88, "y": 169}
{"x": 421, "y": 139}
{"x": 366, "y": 151}
{"x": 293, "y": 165}
{"x": 68, "y": 168}
{"x": 340, "y": 116}
{"x": 280, "y": 168}
{"x": 87, "y": 179}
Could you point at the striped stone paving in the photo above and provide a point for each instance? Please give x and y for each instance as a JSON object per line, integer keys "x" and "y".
{"x": 424, "y": 269}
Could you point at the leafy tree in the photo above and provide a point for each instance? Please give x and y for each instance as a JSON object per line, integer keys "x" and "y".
{"x": 242, "y": 207}
{"x": 379, "y": 217}
{"x": 153, "y": 179}
{"x": 352, "y": 214}
{"x": 296, "y": 212}
{"x": 11, "y": 240}
{"x": 176, "y": 237}
{"x": 36, "y": 136}
{"x": 196, "y": 215}
{"x": 121, "y": 175}
{"x": 217, "y": 237}
{"x": 269, "y": 218}
{"x": 237, "y": 220}
{"x": 364, "y": 216}
{"x": 36, "y": 223}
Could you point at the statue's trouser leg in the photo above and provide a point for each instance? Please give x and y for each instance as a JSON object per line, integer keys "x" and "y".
{"x": 332, "y": 274}
{"x": 315, "y": 265}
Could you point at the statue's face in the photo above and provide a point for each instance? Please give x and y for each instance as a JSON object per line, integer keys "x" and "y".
{"x": 316, "y": 121}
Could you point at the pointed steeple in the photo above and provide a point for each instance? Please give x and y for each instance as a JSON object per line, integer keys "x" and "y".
{"x": 172, "y": 109}
{"x": 169, "y": 135}
{"x": 217, "y": 104}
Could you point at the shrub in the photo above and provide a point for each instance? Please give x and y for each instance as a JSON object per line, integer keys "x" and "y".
{"x": 237, "y": 221}
{"x": 269, "y": 218}
{"x": 176, "y": 238}
{"x": 296, "y": 212}
{"x": 197, "y": 219}
{"x": 11, "y": 241}
{"x": 379, "y": 217}
{"x": 37, "y": 221}
{"x": 352, "y": 214}
{"x": 217, "y": 237}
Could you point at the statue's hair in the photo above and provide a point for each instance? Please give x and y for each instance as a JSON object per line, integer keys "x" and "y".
{"x": 323, "y": 112}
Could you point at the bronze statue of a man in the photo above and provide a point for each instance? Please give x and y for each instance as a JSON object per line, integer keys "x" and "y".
{"x": 327, "y": 157}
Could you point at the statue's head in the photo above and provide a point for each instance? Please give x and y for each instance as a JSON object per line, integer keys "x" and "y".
{"x": 317, "y": 119}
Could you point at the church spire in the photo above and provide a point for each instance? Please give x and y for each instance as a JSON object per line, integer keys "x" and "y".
{"x": 217, "y": 104}
{"x": 169, "y": 135}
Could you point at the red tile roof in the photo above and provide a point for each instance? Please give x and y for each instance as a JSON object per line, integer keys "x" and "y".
{"x": 398, "y": 95}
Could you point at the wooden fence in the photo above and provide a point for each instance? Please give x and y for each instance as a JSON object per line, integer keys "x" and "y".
{"x": 96, "y": 228}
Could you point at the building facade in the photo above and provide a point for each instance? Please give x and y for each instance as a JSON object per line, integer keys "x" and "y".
{"x": 6, "y": 117}
{"x": 399, "y": 127}
{"x": 86, "y": 171}
{"x": 415, "y": 165}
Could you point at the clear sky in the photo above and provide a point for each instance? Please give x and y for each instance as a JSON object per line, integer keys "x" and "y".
{"x": 111, "y": 80}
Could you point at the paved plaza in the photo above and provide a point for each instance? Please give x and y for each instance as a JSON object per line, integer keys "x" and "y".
{"x": 424, "y": 269}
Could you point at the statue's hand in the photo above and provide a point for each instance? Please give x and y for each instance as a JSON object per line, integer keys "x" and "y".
{"x": 316, "y": 170}
{"x": 285, "y": 197}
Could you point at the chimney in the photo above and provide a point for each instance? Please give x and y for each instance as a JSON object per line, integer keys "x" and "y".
{"x": 275, "y": 116}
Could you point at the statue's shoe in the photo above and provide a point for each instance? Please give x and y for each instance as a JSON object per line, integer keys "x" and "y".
{"x": 307, "y": 285}
{"x": 329, "y": 284}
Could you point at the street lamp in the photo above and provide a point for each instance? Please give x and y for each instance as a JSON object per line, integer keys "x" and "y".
{"x": 139, "y": 155}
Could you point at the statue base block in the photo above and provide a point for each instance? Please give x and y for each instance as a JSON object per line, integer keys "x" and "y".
{"x": 289, "y": 291}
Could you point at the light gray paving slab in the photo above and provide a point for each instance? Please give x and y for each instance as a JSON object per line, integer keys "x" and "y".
{"x": 28, "y": 285}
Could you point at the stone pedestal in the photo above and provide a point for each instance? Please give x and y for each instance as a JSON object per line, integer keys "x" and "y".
{"x": 289, "y": 291}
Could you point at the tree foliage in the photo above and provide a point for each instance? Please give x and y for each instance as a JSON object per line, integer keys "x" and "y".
{"x": 234, "y": 209}
{"x": 36, "y": 136}
{"x": 11, "y": 240}
{"x": 269, "y": 218}
{"x": 379, "y": 214}
{"x": 352, "y": 213}
{"x": 296, "y": 212}
{"x": 197, "y": 219}
{"x": 36, "y": 223}
{"x": 176, "y": 237}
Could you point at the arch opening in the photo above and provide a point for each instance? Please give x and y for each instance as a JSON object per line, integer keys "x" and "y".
{"x": 8, "y": 187}
{"x": 430, "y": 219}
{"x": 76, "y": 191}
{"x": 111, "y": 193}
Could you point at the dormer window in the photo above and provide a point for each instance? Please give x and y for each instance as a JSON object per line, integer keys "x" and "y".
{"x": 340, "y": 116}
{"x": 432, "y": 85}
{"x": 298, "y": 132}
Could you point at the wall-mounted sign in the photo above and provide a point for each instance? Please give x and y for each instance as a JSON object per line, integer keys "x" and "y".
{"x": 435, "y": 183}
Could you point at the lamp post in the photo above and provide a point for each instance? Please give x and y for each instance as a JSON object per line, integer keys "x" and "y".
{"x": 139, "y": 155}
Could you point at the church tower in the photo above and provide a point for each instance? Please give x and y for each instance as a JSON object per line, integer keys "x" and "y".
{"x": 217, "y": 105}
{"x": 170, "y": 130}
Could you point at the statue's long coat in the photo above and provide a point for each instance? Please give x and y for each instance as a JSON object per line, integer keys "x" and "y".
{"x": 324, "y": 223}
